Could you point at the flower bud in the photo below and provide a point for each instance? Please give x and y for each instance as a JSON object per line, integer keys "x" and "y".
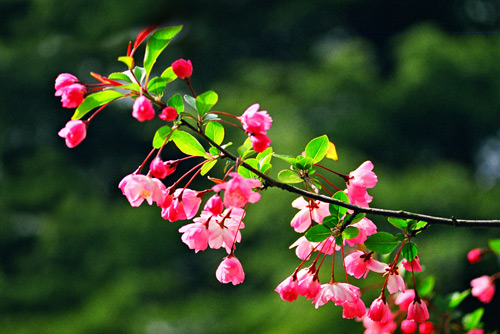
{"x": 74, "y": 132}
{"x": 158, "y": 168}
{"x": 143, "y": 109}
{"x": 168, "y": 114}
{"x": 475, "y": 255}
{"x": 182, "y": 68}
{"x": 408, "y": 326}
{"x": 426, "y": 328}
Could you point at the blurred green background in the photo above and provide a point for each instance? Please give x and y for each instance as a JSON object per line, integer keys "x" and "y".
{"x": 412, "y": 86}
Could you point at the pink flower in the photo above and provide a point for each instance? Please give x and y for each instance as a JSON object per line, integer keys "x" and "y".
{"x": 413, "y": 265}
{"x": 230, "y": 270}
{"x": 195, "y": 235}
{"x": 71, "y": 95}
{"x": 255, "y": 121}
{"x": 142, "y": 109}
{"x": 476, "y": 331}
{"x": 379, "y": 310}
{"x": 238, "y": 191}
{"x": 182, "y": 68}
{"x": 74, "y": 132}
{"x": 161, "y": 169}
{"x": 288, "y": 289}
{"x": 64, "y": 80}
{"x": 404, "y": 299}
{"x": 339, "y": 293}
{"x": 137, "y": 188}
{"x": 313, "y": 209}
{"x": 260, "y": 142}
{"x": 214, "y": 205}
{"x": 375, "y": 327}
{"x": 483, "y": 288}
{"x": 359, "y": 180}
{"x": 304, "y": 248}
{"x": 417, "y": 311}
{"x": 184, "y": 206}
{"x": 395, "y": 282}
{"x": 224, "y": 230}
{"x": 426, "y": 328}
{"x": 168, "y": 114}
{"x": 358, "y": 196}
{"x": 359, "y": 264}
{"x": 309, "y": 284}
{"x": 366, "y": 228}
{"x": 408, "y": 326}
{"x": 475, "y": 255}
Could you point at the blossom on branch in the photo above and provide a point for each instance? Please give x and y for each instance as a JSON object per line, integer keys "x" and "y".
{"x": 138, "y": 187}
{"x": 230, "y": 270}
{"x": 74, "y": 132}
{"x": 238, "y": 191}
{"x": 309, "y": 211}
{"x": 360, "y": 264}
{"x": 483, "y": 288}
{"x": 182, "y": 68}
{"x": 71, "y": 91}
{"x": 143, "y": 110}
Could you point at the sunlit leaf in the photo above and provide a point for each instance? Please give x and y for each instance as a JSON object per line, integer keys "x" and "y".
{"x": 205, "y": 102}
{"x": 188, "y": 144}
{"x": 318, "y": 233}
{"x": 95, "y": 100}
{"x": 215, "y": 131}
{"x": 317, "y": 148}
{"x": 207, "y": 166}
{"x": 156, "y": 44}
{"x": 160, "y": 136}
{"x": 381, "y": 242}
{"x": 288, "y": 176}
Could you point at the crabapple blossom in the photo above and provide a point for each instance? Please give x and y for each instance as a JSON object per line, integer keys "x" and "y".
{"x": 476, "y": 331}
{"x": 314, "y": 210}
{"x": 404, "y": 299}
{"x": 238, "y": 191}
{"x": 260, "y": 142}
{"x": 426, "y": 328}
{"x": 366, "y": 228}
{"x": 395, "y": 282}
{"x": 230, "y": 270}
{"x": 408, "y": 326}
{"x": 255, "y": 121}
{"x": 195, "y": 235}
{"x": 224, "y": 230}
{"x": 138, "y": 187}
{"x": 288, "y": 289}
{"x": 182, "y": 68}
{"x": 413, "y": 265}
{"x": 185, "y": 205}
{"x": 168, "y": 114}
{"x": 158, "y": 168}
{"x": 309, "y": 284}
{"x": 143, "y": 110}
{"x": 379, "y": 310}
{"x": 304, "y": 247}
{"x": 359, "y": 264}
{"x": 343, "y": 294}
{"x": 417, "y": 311}
{"x": 359, "y": 180}
{"x": 214, "y": 205}
{"x": 74, "y": 132}
{"x": 376, "y": 327}
{"x": 64, "y": 80}
{"x": 483, "y": 288}
{"x": 71, "y": 95}
{"x": 475, "y": 255}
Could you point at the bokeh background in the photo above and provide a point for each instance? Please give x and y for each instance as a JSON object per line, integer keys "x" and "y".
{"x": 413, "y": 86}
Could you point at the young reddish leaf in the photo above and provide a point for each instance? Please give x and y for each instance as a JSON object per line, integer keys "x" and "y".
{"x": 105, "y": 80}
{"x": 129, "y": 49}
{"x": 141, "y": 36}
{"x": 331, "y": 153}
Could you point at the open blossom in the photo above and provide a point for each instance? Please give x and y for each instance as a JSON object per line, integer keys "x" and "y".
{"x": 379, "y": 310}
{"x": 138, "y": 187}
{"x": 256, "y": 123}
{"x": 195, "y": 235}
{"x": 143, "y": 110}
{"x": 288, "y": 289}
{"x": 343, "y": 294}
{"x": 74, "y": 132}
{"x": 483, "y": 288}
{"x": 404, "y": 299}
{"x": 185, "y": 205}
{"x": 395, "y": 282}
{"x": 360, "y": 180}
{"x": 230, "y": 270}
{"x": 376, "y": 327}
{"x": 304, "y": 247}
{"x": 366, "y": 228}
{"x": 224, "y": 229}
{"x": 413, "y": 265}
{"x": 417, "y": 311}
{"x": 314, "y": 210}
{"x": 360, "y": 264}
{"x": 309, "y": 284}
{"x": 238, "y": 191}
{"x": 182, "y": 68}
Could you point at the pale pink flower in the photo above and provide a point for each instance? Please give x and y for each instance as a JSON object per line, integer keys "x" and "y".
{"x": 408, "y": 326}
{"x": 309, "y": 211}
{"x": 379, "y": 310}
{"x": 71, "y": 95}
{"x": 353, "y": 310}
{"x": 143, "y": 110}
{"x": 309, "y": 284}
{"x": 238, "y": 191}
{"x": 74, "y": 132}
{"x": 182, "y": 68}
{"x": 395, "y": 282}
{"x": 363, "y": 176}
{"x": 195, "y": 235}
{"x": 483, "y": 288}
{"x": 255, "y": 121}
{"x": 339, "y": 293}
{"x": 475, "y": 255}
{"x": 304, "y": 247}
{"x": 417, "y": 311}
{"x": 375, "y": 327}
{"x": 358, "y": 196}
{"x": 413, "y": 265}
{"x": 138, "y": 187}
{"x": 224, "y": 230}
{"x": 185, "y": 205}
{"x": 230, "y": 270}
{"x": 360, "y": 264}
{"x": 64, "y": 80}
{"x": 366, "y": 228}
{"x": 168, "y": 114}
{"x": 288, "y": 289}
{"x": 404, "y": 299}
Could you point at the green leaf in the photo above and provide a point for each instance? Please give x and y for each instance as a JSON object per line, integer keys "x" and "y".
{"x": 400, "y": 237}
{"x": 245, "y": 172}
{"x": 426, "y": 286}
{"x": 95, "y": 100}
{"x": 206, "y": 101}
{"x": 188, "y": 144}
{"x": 381, "y": 242}
{"x": 265, "y": 156}
{"x": 156, "y": 44}
{"x": 318, "y": 233}
{"x": 191, "y": 101}
{"x": 303, "y": 163}
{"x": 287, "y": 158}
{"x": 457, "y": 297}
{"x": 208, "y": 166}
{"x": 473, "y": 320}
{"x": 350, "y": 232}
{"x": 288, "y": 176}
{"x": 157, "y": 85}
{"x": 337, "y": 210}
{"x": 317, "y": 148}
{"x": 409, "y": 251}
{"x": 398, "y": 223}
{"x": 129, "y": 61}
{"x": 494, "y": 245}
{"x": 120, "y": 76}
{"x": 330, "y": 221}
{"x": 160, "y": 136}
{"x": 356, "y": 218}
{"x": 215, "y": 131}
{"x": 176, "y": 102}
{"x": 266, "y": 168}
{"x": 133, "y": 86}
{"x": 169, "y": 75}
{"x": 140, "y": 73}
{"x": 339, "y": 240}
{"x": 213, "y": 151}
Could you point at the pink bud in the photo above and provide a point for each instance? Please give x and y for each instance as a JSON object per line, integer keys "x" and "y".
{"x": 413, "y": 265}
{"x": 379, "y": 310}
{"x": 168, "y": 114}
{"x": 158, "y": 168}
{"x": 260, "y": 142}
{"x": 74, "y": 132}
{"x": 214, "y": 205}
{"x": 426, "y": 328}
{"x": 483, "y": 288}
{"x": 230, "y": 270}
{"x": 142, "y": 109}
{"x": 476, "y": 331}
{"x": 71, "y": 95}
{"x": 182, "y": 68}
{"x": 408, "y": 326}
{"x": 417, "y": 311}
{"x": 475, "y": 255}
{"x": 65, "y": 79}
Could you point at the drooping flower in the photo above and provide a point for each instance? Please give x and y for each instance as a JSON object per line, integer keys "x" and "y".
{"x": 238, "y": 191}
{"x": 309, "y": 284}
{"x": 344, "y": 294}
{"x": 408, "y": 326}
{"x": 413, "y": 265}
{"x": 475, "y": 255}
{"x": 417, "y": 311}
{"x": 214, "y": 205}
{"x": 379, "y": 310}
{"x": 360, "y": 180}
{"x": 64, "y": 80}
{"x": 260, "y": 142}
{"x": 74, "y": 132}
{"x": 158, "y": 168}
{"x": 483, "y": 288}
{"x": 288, "y": 289}
{"x": 138, "y": 187}
{"x": 314, "y": 210}
{"x": 72, "y": 95}
{"x": 230, "y": 270}
{"x": 395, "y": 282}
{"x": 182, "y": 68}
{"x": 304, "y": 247}
{"x": 376, "y": 327}
{"x": 404, "y": 299}
{"x": 224, "y": 229}
{"x": 143, "y": 110}
{"x": 168, "y": 114}
{"x": 366, "y": 228}
{"x": 360, "y": 264}
{"x": 195, "y": 235}
{"x": 185, "y": 205}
